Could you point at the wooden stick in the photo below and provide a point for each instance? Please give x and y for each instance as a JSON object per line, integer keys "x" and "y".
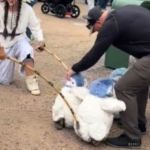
{"x": 50, "y": 83}
{"x": 36, "y": 47}
{"x": 54, "y": 55}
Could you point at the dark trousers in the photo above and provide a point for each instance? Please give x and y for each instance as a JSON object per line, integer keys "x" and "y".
{"x": 132, "y": 88}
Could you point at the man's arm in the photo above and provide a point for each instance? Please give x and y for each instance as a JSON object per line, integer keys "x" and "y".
{"x": 105, "y": 38}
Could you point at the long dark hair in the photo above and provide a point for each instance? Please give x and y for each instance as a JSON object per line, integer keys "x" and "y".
{"x": 6, "y": 8}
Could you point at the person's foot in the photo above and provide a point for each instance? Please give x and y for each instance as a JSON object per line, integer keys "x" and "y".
{"x": 68, "y": 14}
{"x": 32, "y": 85}
{"x": 123, "y": 141}
{"x": 142, "y": 127}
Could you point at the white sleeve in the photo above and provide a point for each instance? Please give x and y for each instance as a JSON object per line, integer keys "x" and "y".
{"x": 1, "y": 17}
{"x": 34, "y": 26}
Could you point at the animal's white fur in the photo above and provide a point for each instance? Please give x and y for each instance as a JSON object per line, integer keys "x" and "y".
{"x": 95, "y": 114}
{"x": 60, "y": 109}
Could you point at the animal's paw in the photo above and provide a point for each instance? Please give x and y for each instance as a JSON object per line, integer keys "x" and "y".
{"x": 94, "y": 142}
{"x": 60, "y": 124}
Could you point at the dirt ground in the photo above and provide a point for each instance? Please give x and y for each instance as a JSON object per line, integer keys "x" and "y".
{"x": 25, "y": 120}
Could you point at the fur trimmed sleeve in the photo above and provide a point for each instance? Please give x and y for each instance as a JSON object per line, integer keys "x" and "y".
{"x": 1, "y": 16}
{"x": 34, "y": 25}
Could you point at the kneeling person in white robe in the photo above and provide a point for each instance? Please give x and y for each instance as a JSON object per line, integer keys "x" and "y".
{"x": 15, "y": 17}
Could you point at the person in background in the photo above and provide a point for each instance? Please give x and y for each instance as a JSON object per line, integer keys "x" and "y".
{"x": 91, "y": 4}
{"x": 103, "y": 3}
{"x": 127, "y": 28}
{"x": 15, "y": 17}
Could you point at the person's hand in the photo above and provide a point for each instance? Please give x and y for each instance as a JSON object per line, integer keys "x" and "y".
{"x": 69, "y": 73}
{"x": 38, "y": 46}
{"x": 41, "y": 45}
{"x": 2, "y": 53}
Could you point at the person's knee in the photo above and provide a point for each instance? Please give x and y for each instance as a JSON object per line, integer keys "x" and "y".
{"x": 28, "y": 59}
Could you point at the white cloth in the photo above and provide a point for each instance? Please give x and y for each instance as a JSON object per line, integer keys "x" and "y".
{"x": 19, "y": 50}
{"x": 27, "y": 19}
{"x": 95, "y": 114}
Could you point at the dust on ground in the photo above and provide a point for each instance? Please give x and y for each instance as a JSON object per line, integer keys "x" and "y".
{"x": 25, "y": 120}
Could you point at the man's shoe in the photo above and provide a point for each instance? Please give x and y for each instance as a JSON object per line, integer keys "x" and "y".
{"x": 123, "y": 141}
{"x": 142, "y": 127}
{"x": 32, "y": 85}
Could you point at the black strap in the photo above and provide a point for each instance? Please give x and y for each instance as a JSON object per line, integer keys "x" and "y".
{"x": 10, "y": 34}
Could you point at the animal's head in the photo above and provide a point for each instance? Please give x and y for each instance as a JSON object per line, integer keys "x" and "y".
{"x": 76, "y": 80}
{"x": 102, "y": 87}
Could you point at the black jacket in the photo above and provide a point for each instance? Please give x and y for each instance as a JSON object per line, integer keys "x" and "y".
{"x": 127, "y": 28}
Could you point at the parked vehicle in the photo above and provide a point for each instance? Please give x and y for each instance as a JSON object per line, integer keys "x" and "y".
{"x": 61, "y": 8}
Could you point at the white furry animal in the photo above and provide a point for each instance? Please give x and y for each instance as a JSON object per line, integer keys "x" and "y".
{"x": 95, "y": 115}
{"x": 61, "y": 114}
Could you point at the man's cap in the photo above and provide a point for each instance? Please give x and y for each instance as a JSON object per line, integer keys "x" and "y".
{"x": 94, "y": 14}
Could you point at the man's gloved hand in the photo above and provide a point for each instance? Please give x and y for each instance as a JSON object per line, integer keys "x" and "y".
{"x": 2, "y": 53}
